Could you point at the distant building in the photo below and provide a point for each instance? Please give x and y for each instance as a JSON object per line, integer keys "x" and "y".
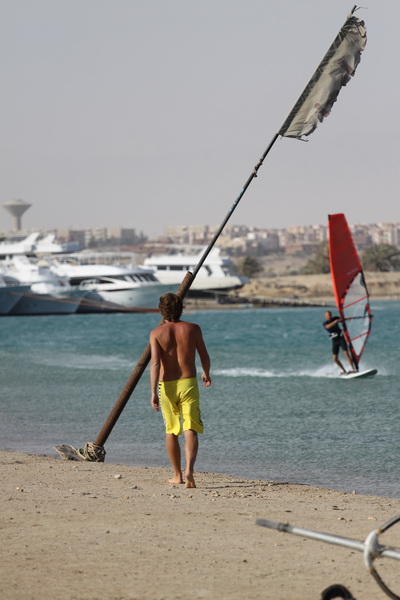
{"x": 188, "y": 234}
{"x": 122, "y": 235}
{"x": 72, "y": 235}
{"x": 234, "y": 240}
{"x": 239, "y": 240}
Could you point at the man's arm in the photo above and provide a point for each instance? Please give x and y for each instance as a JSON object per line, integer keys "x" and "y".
{"x": 204, "y": 358}
{"x": 332, "y": 323}
{"x": 155, "y": 363}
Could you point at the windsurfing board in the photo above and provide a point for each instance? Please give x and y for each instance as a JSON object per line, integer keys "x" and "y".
{"x": 365, "y": 373}
{"x": 69, "y": 452}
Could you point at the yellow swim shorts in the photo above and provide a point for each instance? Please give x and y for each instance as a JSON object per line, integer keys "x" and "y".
{"x": 180, "y": 398}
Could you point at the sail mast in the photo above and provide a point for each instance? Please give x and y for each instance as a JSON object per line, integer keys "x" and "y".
{"x": 350, "y": 289}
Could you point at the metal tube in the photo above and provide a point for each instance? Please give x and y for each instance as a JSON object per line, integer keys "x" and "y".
{"x": 328, "y": 538}
{"x": 309, "y": 533}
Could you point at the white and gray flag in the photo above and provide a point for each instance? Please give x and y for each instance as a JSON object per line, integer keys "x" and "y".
{"x": 335, "y": 71}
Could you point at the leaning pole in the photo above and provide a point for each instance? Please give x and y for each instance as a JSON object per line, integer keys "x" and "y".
{"x": 94, "y": 451}
{"x": 314, "y": 104}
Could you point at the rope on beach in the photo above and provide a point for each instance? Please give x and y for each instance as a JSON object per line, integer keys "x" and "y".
{"x": 93, "y": 453}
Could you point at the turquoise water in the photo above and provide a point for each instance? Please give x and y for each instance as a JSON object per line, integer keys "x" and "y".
{"x": 276, "y": 410}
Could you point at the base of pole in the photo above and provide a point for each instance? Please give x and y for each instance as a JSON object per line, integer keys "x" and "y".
{"x": 90, "y": 453}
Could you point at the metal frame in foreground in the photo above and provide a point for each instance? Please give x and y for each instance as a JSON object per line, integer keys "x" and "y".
{"x": 371, "y": 549}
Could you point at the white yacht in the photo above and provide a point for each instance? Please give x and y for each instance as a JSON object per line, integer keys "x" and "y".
{"x": 49, "y": 245}
{"x": 34, "y": 244}
{"x": 216, "y": 275}
{"x": 110, "y": 287}
{"x": 46, "y": 293}
{"x": 24, "y": 246}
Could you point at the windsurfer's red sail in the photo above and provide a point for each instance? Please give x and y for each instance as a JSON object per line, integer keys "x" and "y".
{"x": 351, "y": 294}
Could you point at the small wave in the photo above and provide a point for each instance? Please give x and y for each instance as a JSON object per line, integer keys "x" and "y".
{"x": 251, "y": 372}
{"x": 91, "y": 361}
{"x": 327, "y": 371}
{"x": 243, "y": 372}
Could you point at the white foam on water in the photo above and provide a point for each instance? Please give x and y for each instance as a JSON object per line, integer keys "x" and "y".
{"x": 326, "y": 371}
{"x": 87, "y": 361}
{"x": 253, "y": 372}
{"x": 245, "y": 372}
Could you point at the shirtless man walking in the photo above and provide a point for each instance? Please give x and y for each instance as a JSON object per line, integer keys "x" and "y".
{"x": 174, "y": 385}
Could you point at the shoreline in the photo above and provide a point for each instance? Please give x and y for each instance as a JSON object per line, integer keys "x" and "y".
{"x": 294, "y": 291}
{"x": 118, "y": 532}
{"x": 127, "y": 463}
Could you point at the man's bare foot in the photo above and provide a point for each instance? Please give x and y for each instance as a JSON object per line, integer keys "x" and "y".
{"x": 176, "y": 479}
{"x": 190, "y": 482}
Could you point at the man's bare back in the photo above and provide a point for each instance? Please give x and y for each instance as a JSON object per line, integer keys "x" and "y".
{"x": 177, "y": 345}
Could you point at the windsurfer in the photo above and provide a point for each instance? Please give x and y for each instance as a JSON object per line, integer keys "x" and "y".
{"x": 331, "y": 324}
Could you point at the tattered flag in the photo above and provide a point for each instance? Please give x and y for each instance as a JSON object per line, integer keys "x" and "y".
{"x": 335, "y": 71}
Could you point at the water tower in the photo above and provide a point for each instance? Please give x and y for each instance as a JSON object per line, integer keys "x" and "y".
{"x": 17, "y": 209}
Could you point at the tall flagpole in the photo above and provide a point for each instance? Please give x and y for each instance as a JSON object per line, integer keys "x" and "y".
{"x": 313, "y": 105}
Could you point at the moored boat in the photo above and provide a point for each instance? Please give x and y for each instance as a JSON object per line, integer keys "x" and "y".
{"x": 45, "y": 292}
{"x": 111, "y": 287}
{"x": 217, "y": 274}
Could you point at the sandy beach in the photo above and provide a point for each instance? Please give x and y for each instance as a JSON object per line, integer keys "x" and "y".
{"x": 78, "y": 530}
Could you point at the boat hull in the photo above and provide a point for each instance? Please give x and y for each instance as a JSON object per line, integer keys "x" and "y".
{"x": 47, "y": 304}
{"x": 144, "y": 298}
{"x": 9, "y": 296}
{"x": 201, "y": 284}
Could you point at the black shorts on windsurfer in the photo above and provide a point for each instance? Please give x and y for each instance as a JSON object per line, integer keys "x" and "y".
{"x": 331, "y": 324}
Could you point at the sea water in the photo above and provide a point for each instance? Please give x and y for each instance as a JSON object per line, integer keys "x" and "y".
{"x": 277, "y": 408}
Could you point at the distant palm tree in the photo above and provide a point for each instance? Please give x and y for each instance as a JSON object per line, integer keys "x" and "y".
{"x": 382, "y": 257}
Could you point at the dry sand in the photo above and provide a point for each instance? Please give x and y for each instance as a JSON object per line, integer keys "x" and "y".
{"x": 77, "y": 530}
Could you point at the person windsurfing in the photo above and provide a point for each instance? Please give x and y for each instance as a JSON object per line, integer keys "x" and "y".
{"x": 331, "y": 324}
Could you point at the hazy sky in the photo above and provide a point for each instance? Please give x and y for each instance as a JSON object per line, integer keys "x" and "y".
{"x": 147, "y": 113}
